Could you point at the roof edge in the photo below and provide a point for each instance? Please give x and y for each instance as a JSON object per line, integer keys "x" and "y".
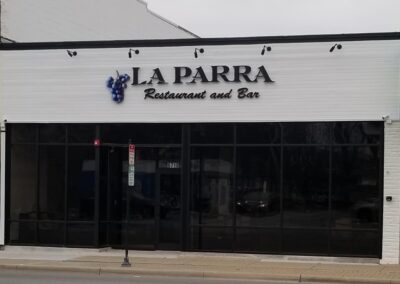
{"x": 4, "y": 39}
{"x": 166, "y": 20}
{"x": 202, "y": 41}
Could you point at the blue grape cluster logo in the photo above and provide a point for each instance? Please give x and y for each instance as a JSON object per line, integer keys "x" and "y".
{"x": 117, "y": 86}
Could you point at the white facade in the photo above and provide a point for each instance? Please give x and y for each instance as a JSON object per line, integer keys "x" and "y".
{"x": 83, "y": 20}
{"x": 391, "y": 210}
{"x": 360, "y": 82}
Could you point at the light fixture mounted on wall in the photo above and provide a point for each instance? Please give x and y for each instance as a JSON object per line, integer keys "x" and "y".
{"x": 337, "y": 45}
{"x": 134, "y": 50}
{"x": 387, "y": 119}
{"x": 265, "y": 48}
{"x": 72, "y": 53}
{"x": 201, "y": 50}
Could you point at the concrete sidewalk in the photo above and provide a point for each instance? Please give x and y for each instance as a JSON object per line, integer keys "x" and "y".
{"x": 212, "y": 265}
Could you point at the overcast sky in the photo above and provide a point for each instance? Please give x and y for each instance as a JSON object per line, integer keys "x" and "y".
{"x": 238, "y": 18}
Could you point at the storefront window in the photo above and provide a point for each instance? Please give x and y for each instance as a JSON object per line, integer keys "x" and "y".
{"x": 81, "y": 133}
{"x": 51, "y": 233}
{"x": 212, "y": 238}
{"x": 307, "y": 133}
{"x": 22, "y": 232}
{"x": 81, "y": 179}
{"x": 305, "y": 186}
{"x": 24, "y": 133}
{"x": 52, "y": 133}
{"x": 258, "y": 133}
{"x": 141, "y": 133}
{"x": 211, "y": 185}
{"x": 355, "y": 193}
{"x": 258, "y": 183}
{"x": 309, "y": 241}
{"x": 24, "y": 177}
{"x": 51, "y": 182}
{"x": 258, "y": 240}
{"x": 211, "y": 133}
{"x": 357, "y": 132}
{"x": 284, "y": 188}
{"x": 80, "y": 234}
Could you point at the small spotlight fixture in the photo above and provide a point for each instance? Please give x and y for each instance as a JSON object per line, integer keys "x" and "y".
{"x": 337, "y": 45}
{"x": 134, "y": 50}
{"x": 265, "y": 48}
{"x": 201, "y": 50}
{"x": 72, "y": 53}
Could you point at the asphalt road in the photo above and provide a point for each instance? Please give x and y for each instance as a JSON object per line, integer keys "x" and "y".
{"x": 44, "y": 277}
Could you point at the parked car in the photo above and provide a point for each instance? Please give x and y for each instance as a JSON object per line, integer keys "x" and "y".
{"x": 257, "y": 202}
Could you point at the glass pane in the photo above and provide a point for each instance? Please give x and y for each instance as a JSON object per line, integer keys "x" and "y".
{"x": 211, "y": 185}
{"x": 258, "y": 240}
{"x": 103, "y": 226}
{"x": 117, "y": 184}
{"x": 146, "y": 133}
{"x": 355, "y": 187}
{"x": 169, "y": 159}
{"x": 358, "y": 132}
{"x": 81, "y": 133}
{"x": 361, "y": 243}
{"x": 306, "y": 133}
{"x": 51, "y": 233}
{"x": 305, "y": 241}
{"x": 305, "y": 186}
{"x": 141, "y": 235}
{"x": 23, "y": 232}
{"x": 81, "y": 179}
{"x": 115, "y": 237}
{"x": 170, "y": 209}
{"x": 23, "y": 133}
{"x": 212, "y": 239}
{"x": 51, "y": 182}
{"x": 80, "y": 234}
{"x": 258, "y": 133}
{"x": 52, "y": 133}
{"x": 211, "y": 133}
{"x": 258, "y": 186}
{"x": 23, "y": 201}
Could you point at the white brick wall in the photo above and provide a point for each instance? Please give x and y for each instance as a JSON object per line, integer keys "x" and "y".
{"x": 391, "y": 210}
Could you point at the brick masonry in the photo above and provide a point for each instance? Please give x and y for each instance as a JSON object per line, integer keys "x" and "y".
{"x": 391, "y": 210}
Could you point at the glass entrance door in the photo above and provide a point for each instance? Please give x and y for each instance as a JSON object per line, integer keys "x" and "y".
{"x": 154, "y": 210}
{"x": 134, "y": 223}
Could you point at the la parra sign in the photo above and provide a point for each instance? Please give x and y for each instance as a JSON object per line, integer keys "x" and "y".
{"x": 219, "y": 73}
{"x": 186, "y": 75}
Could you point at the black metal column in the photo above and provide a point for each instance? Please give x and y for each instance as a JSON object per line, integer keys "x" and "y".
{"x": 97, "y": 192}
{"x": 185, "y": 187}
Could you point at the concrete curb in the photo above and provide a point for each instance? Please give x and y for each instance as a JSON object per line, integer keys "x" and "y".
{"x": 353, "y": 280}
{"x": 198, "y": 274}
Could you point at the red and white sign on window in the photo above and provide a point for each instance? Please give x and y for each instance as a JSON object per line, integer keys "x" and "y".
{"x": 131, "y": 165}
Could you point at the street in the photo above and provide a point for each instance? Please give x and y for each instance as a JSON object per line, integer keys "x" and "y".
{"x": 44, "y": 277}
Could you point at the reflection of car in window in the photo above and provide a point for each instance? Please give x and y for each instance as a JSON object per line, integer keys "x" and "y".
{"x": 257, "y": 202}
